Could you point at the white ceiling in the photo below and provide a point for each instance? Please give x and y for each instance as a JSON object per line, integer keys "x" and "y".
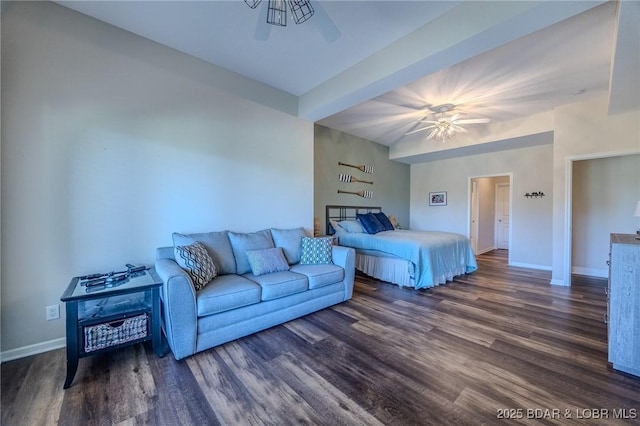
{"x": 499, "y": 60}
{"x": 295, "y": 58}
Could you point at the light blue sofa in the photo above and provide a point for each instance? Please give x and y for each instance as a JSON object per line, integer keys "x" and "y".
{"x": 237, "y": 303}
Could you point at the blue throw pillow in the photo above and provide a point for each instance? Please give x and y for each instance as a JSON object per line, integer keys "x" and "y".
{"x": 370, "y": 223}
{"x": 316, "y": 251}
{"x": 384, "y": 220}
{"x": 266, "y": 261}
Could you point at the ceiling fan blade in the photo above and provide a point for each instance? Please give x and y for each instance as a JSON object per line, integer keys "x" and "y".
{"x": 325, "y": 24}
{"x": 419, "y": 130}
{"x": 474, "y": 121}
{"x": 263, "y": 30}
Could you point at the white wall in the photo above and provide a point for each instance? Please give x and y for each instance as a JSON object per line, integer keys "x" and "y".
{"x": 605, "y": 193}
{"x": 531, "y": 219}
{"x": 110, "y": 143}
{"x": 541, "y": 230}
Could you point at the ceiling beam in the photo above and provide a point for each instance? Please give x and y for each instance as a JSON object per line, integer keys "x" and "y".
{"x": 465, "y": 31}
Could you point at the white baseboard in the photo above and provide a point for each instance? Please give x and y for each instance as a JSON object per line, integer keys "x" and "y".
{"x": 559, "y": 282}
{"x": 531, "y": 266}
{"x": 485, "y": 250}
{"x": 35, "y": 349}
{"x": 591, "y": 272}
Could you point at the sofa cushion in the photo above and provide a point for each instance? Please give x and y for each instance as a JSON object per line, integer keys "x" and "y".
{"x": 320, "y": 275}
{"x": 291, "y": 242}
{"x": 316, "y": 251}
{"x": 241, "y": 242}
{"x": 266, "y": 261}
{"x": 195, "y": 259}
{"x": 218, "y": 246}
{"x": 225, "y": 293}
{"x": 279, "y": 284}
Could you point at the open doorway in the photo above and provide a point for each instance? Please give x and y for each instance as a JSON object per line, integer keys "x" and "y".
{"x": 601, "y": 199}
{"x": 490, "y": 213}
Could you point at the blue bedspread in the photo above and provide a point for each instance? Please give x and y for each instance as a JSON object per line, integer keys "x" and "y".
{"x": 437, "y": 256}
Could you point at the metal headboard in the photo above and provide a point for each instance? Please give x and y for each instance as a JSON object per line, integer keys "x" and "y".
{"x": 339, "y": 213}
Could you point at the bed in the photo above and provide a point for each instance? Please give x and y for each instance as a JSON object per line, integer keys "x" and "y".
{"x": 417, "y": 259}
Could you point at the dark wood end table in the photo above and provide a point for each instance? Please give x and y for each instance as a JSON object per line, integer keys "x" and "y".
{"x": 104, "y": 317}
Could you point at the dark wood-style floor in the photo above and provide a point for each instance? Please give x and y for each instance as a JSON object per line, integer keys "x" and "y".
{"x": 500, "y": 342}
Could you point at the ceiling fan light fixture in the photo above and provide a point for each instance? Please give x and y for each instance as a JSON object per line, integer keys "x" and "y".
{"x": 252, "y": 3}
{"x": 301, "y": 10}
{"x": 277, "y": 13}
{"x": 443, "y": 126}
{"x": 444, "y": 129}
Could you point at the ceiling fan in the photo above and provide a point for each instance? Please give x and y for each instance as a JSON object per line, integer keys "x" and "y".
{"x": 445, "y": 125}
{"x": 274, "y": 12}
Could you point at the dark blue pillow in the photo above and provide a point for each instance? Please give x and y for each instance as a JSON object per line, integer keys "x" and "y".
{"x": 384, "y": 220}
{"x": 370, "y": 223}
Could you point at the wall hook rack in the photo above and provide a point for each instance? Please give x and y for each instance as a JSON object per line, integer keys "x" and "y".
{"x": 534, "y": 194}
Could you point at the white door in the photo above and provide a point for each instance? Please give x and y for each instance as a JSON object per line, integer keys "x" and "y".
{"x": 502, "y": 216}
{"x": 473, "y": 237}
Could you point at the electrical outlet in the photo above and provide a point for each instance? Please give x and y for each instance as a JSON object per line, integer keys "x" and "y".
{"x": 53, "y": 312}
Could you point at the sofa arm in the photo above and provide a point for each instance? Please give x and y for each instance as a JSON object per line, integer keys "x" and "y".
{"x": 346, "y": 258}
{"x": 179, "y": 308}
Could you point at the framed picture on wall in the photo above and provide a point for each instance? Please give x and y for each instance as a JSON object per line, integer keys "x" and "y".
{"x": 438, "y": 198}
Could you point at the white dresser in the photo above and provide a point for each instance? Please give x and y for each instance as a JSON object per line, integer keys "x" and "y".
{"x": 623, "y": 307}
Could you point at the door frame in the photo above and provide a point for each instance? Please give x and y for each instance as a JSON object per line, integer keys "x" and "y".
{"x": 473, "y": 216}
{"x": 495, "y": 233}
{"x": 469, "y": 189}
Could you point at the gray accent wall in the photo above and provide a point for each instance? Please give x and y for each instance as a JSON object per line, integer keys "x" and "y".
{"x": 391, "y": 179}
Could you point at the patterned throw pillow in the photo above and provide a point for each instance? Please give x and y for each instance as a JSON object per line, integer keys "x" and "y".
{"x": 195, "y": 259}
{"x": 316, "y": 251}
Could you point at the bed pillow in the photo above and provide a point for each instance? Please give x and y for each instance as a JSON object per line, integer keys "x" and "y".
{"x": 352, "y": 226}
{"x": 266, "y": 261}
{"x": 384, "y": 220}
{"x": 337, "y": 229}
{"x": 195, "y": 259}
{"x": 370, "y": 223}
{"x": 316, "y": 251}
